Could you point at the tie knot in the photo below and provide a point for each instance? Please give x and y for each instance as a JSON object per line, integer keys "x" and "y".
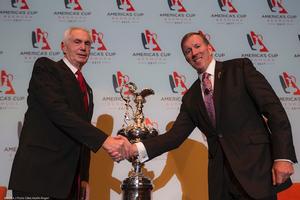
{"x": 206, "y": 84}
{"x": 78, "y": 73}
{"x": 79, "y": 76}
{"x": 205, "y": 76}
{"x": 80, "y": 80}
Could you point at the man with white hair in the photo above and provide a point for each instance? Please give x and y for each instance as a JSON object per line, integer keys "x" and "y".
{"x": 53, "y": 157}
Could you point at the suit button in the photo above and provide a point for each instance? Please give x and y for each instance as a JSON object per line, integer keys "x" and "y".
{"x": 220, "y": 135}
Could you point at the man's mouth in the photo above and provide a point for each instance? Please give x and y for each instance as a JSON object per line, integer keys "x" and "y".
{"x": 197, "y": 59}
{"x": 82, "y": 55}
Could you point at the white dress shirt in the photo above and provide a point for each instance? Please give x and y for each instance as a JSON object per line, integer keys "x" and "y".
{"x": 72, "y": 68}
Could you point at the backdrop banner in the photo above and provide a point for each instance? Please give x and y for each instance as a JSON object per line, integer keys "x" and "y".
{"x": 139, "y": 41}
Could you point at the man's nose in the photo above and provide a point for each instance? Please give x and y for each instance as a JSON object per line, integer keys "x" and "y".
{"x": 82, "y": 47}
{"x": 193, "y": 51}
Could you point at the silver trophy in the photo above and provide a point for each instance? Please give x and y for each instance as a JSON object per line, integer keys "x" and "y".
{"x": 137, "y": 186}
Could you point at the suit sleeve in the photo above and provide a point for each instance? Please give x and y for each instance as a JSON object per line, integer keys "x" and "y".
{"x": 46, "y": 89}
{"x": 85, "y": 164}
{"x": 270, "y": 106}
{"x": 182, "y": 128}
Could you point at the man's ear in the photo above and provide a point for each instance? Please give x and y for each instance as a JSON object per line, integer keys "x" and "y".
{"x": 210, "y": 49}
{"x": 63, "y": 47}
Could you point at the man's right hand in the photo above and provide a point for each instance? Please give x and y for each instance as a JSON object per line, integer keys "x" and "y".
{"x": 117, "y": 147}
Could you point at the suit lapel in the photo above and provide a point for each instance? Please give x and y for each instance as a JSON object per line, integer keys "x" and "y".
{"x": 217, "y": 96}
{"x": 69, "y": 73}
{"x": 217, "y": 90}
{"x": 74, "y": 83}
{"x": 91, "y": 104}
{"x": 200, "y": 102}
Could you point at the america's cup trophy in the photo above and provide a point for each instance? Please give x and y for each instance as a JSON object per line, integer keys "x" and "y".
{"x": 137, "y": 186}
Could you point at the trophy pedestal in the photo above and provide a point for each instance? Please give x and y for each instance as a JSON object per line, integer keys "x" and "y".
{"x": 137, "y": 187}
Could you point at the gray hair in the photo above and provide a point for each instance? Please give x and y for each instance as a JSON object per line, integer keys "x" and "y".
{"x": 68, "y": 32}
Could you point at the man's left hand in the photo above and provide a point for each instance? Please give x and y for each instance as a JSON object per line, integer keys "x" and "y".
{"x": 281, "y": 171}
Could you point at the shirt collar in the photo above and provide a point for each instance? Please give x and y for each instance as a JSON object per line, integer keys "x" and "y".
{"x": 210, "y": 69}
{"x": 71, "y": 67}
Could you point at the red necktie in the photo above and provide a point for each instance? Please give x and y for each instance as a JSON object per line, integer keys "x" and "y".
{"x": 208, "y": 97}
{"x": 82, "y": 85}
{"x": 83, "y": 89}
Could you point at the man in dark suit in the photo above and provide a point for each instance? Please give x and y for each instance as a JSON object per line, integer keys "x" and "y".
{"x": 53, "y": 157}
{"x": 251, "y": 151}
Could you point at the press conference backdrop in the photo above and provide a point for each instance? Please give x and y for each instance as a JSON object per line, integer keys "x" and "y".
{"x": 139, "y": 41}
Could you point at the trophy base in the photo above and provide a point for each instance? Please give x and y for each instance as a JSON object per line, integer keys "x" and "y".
{"x": 137, "y": 187}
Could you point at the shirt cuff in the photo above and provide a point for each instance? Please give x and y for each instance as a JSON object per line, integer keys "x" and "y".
{"x": 143, "y": 156}
{"x": 287, "y": 160}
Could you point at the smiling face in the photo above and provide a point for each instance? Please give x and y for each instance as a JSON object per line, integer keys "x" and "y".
{"x": 76, "y": 47}
{"x": 197, "y": 52}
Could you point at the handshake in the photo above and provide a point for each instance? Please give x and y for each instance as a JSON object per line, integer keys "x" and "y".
{"x": 119, "y": 148}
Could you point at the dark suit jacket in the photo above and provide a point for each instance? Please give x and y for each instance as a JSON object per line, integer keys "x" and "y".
{"x": 241, "y": 96}
{"x": 56, "y": 135}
